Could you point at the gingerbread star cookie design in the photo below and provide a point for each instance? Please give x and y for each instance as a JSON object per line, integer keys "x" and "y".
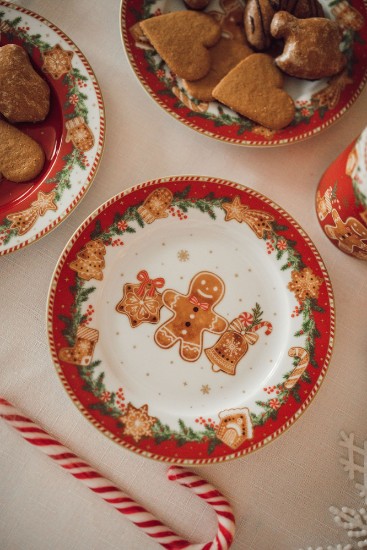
{"x": 137, "y": 422}
{"x": 349, "y": 234}
{"x": 193, "y": 314}
{"x": 142, "y": 302}
{"x": 57, "y": 61}
{"x": 259, "y": 222}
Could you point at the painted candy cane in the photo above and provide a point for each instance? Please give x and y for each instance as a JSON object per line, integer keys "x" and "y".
{"x": 78, "y": 468}
{"x": 297, "y": 372}
{"x": 269, "y": 327}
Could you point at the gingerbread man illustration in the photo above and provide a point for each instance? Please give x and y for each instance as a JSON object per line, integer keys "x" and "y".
{"x": 349, "y": 234}
{"x": 193, "y": 314}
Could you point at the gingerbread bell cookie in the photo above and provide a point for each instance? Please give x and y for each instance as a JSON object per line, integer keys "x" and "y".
{"x": 182, "y": 40}
{"x": 21, "y": 157}
{"x": 24, "y": 95}
{"x": 312, "y": 46}
{"x": 193, "y": 314}
{"x": 254, "y": 88}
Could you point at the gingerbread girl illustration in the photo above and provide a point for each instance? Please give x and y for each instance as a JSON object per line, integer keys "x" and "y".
{"x": 193, "y": 314}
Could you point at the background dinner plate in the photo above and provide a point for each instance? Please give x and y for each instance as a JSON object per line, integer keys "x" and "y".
{"x": 72, "y": 134}
{"x": 318, "y": 103}
{"x": 228, "y": 262}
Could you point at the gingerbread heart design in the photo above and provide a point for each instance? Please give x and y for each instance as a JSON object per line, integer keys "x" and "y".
{"x": 254, "y": 88}
{"x": 21, "y": 158}
{"x": 181, "y": 39}
{"x": 24, "y": 95}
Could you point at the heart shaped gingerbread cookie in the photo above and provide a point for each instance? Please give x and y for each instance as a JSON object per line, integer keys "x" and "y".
{"x": 182, "y": 40}
{"x": 254, "y": 88}
{"x": 225, "y": 55}
{"x": 24, "y": 95}
{"x": 21, "y": 158}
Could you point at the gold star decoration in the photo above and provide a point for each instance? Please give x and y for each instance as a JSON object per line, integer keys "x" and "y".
{"x": 137, "y": 422}
{"x": 205, "y": 389}
{"x": 25, "y": 219}
{"x": 57, "y": 61}
{"x": 235, "y": 210}
{"x": 44, "y": 202}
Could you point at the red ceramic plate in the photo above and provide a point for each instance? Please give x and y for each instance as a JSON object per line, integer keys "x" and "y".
{"x": 72, "y": 134}
{"x": 191, "y": 320}
{"x": 318, "y": 103}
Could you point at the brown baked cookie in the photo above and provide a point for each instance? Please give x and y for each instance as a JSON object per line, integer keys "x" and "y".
{"x": 196, "y": 4}
{"x": 300, "y": 8}
{"x": 24, "y": 95}
{"x": 21, "y": 158}
{"x": 259, "y": 14}
{"x": 224, "y": 56}
{"x": 311, "y": 48}
{"x": 231, "y": 21}
{"x": 182, "y": 39}
{"x": 254, "y": 89}
{"x": 257, "y": 18}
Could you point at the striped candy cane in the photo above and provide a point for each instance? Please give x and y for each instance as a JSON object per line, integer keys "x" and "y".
{"x": 295, "y": 375}
{"x": 121, "y": 501}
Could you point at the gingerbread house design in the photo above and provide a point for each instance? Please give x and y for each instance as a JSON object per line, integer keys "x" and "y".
{"x": 235, "y": 427}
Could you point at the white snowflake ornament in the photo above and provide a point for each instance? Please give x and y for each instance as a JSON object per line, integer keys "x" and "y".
{"x": 353, "y": 521}
{"x": 350, "y": 463}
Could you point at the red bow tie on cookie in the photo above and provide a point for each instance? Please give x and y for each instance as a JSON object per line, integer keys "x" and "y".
{"x": 143, "y": 277}
{"x": 195, "y": 301}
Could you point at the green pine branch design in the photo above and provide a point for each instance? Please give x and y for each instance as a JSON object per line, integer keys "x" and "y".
{"x": 72, "y": 322}
{"x": 309, "y": 329}
{"x": 29, "y": 41}
{"x": 75, "y": 98}
{"x": 271, "y": 407}
{"x": 287, "y": 252}
{"x": 63, "y": 178}
{"x": 185, "y": 434}
{"x": 360, "y": 197}
{"x": 180, "y": 200}
{"x": 6, "y": 234}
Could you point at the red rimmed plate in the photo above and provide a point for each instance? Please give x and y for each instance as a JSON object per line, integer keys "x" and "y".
{"x": 72, "y": 135}
{"x": 318, "y": 103}
{"x": 191, "y": 319}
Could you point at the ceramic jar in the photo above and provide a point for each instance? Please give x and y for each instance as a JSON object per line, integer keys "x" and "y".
{"x": 341, "y": 199}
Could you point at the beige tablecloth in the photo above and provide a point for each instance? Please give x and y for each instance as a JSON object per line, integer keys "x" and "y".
{"x": 281, "y": 494}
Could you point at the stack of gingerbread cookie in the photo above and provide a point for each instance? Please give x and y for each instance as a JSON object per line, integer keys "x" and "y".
{"x": 24, "y": 97}
{"x": 233, "y": 59}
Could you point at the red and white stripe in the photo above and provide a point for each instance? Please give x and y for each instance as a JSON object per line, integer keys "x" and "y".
{"x": 78, "y": 468}
{"x": 269, "y": 327}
